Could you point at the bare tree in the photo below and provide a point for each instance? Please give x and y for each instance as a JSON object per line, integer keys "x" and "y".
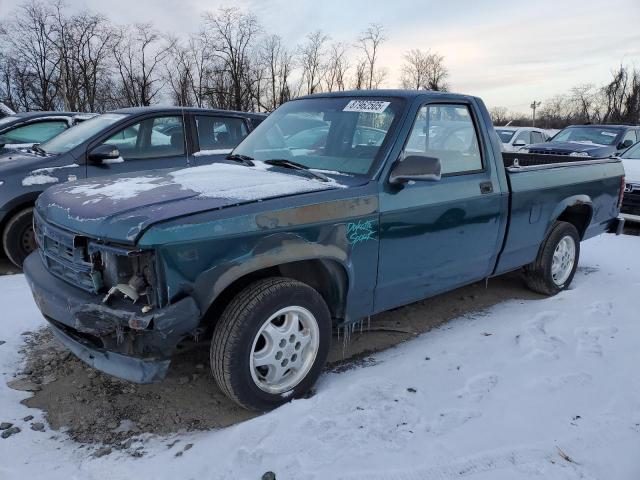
{"x": 31, "y": 42}
{"x": 139, "y": 54}
{"x": 231, "y": 35}
{"x": 583, "y": 101}
{"x": 278, "y": 64}
{"x": 621, "y": 96}
{"x": 360, "y": 75}
{"x": 84, "y": 44}
{"x": 424, "y": 70}
{"x": 179, "y": 75}
{"x": 369, "y": 42}
{"x": 312, "y": 59}
{"x": 499, "y": 115}
{"x": 337, "y": 67}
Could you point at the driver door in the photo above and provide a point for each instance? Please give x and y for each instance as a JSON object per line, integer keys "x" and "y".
{"x": 437, "y": 235}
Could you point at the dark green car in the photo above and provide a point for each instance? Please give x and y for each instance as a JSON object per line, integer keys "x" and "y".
{"x": 265, "y": 252}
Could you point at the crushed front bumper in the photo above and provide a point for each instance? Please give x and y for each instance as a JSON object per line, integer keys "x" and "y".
{"x": 101, "y": 336}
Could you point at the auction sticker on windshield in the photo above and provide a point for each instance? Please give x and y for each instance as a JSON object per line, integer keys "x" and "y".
{"x": 366, "y": 106}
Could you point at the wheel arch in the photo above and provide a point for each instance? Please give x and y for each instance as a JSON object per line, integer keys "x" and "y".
{"x": 576, "y": 210}
{"x": 328, "y": 276}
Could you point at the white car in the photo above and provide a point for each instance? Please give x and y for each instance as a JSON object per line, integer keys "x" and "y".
{"x": 514, "y": 138}
{"x": 631, "y": 202}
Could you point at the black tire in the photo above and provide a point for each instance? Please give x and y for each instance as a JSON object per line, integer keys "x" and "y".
{"x": 538, "y": 276}
{"x": 238, "y": 326}
{"x": 18, "y": 238}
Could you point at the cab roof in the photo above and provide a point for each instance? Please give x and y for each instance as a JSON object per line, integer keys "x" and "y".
{"x": 398, "y": 93}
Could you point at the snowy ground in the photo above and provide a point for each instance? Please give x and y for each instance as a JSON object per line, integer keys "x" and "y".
{"x": 530, "y": 389}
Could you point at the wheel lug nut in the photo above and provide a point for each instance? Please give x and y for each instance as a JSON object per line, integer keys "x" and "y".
{"x": 298, "y": 345}
{"x": 292, "y": 338}
{"x": 294, "y": 357}
{"x": 283, "y": 342}
{"x": 284, "y": 362}
{"x": 278, "y": 355}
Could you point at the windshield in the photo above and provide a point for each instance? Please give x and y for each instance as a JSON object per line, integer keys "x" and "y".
{"x": 334, "y": 134}
{"x": 82, "y": 132}
{"x": 505, "y": 135}
{"x": 589, "y": 135}
{"x": 632, "y": 152}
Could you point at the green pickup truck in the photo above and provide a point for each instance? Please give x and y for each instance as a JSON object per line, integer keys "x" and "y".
{"x": 338, "y": 206}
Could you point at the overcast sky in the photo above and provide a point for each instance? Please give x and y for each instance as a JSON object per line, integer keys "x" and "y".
{"x": 508, "y": 53}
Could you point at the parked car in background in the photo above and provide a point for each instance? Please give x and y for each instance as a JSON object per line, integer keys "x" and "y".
{"x": 5, "y": 111}
{"x": 514, "y": 138}
{"x": 23, "y": 130}
{"x": 406, "y": 196}
{"x": 597, "y": 141}
{"x": 127, "y": 140}
{"x": 631, "y": 201}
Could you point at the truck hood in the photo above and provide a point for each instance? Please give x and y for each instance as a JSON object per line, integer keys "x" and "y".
{"x": 119, "y": 208}
{"x": 561, "y": 148}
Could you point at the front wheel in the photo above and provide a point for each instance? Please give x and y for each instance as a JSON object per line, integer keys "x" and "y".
{"x": 557, "y": 261}
{"x": 271, "y": 343}
{"x": 18, "y": 238}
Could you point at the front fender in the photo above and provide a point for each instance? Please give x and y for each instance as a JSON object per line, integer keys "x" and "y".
{"x": 270, "y": 251}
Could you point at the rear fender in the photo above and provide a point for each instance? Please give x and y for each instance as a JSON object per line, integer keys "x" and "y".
{"x": 575, "y": 203}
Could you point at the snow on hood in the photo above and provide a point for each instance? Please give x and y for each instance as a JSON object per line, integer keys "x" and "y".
{"x": 232, "y": 181}
{"x": 120, "y": 207}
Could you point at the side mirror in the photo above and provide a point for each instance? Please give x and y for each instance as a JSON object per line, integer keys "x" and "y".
{"x": 626, "y": 144}
{"x": 519, "y": 143}
{"x": 416, "y": 167}
{"x": 103, "y": 152}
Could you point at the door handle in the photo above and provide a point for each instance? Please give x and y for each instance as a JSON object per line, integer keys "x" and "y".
{"x": 486, "y": 187}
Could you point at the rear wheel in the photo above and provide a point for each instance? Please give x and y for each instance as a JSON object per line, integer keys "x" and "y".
{"x": 271, "y": 343}
{"x": 557, "y": 260}
{"x": 18, "y": 238}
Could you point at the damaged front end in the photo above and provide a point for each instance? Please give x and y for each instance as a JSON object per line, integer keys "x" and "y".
{"x": 104, "y": 300}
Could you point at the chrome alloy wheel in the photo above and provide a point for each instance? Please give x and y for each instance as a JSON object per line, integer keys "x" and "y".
{"x": 564, "y": 256}
{"x": 284, "y": 349}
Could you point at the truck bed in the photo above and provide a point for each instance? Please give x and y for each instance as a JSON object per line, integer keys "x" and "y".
{"x": 542, "y": 187}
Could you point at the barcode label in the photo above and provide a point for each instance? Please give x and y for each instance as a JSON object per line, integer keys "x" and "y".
{"x": 366, "y": 106}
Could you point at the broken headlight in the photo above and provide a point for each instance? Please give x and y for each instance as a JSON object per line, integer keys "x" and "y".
{"x": 124, "y": 274}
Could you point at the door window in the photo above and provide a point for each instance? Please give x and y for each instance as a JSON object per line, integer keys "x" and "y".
{"x": 446, "y": 132}
{"x": 37, "y": 132}
{"x": 151, "y": 138}
{"x": 220, "y": 133}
